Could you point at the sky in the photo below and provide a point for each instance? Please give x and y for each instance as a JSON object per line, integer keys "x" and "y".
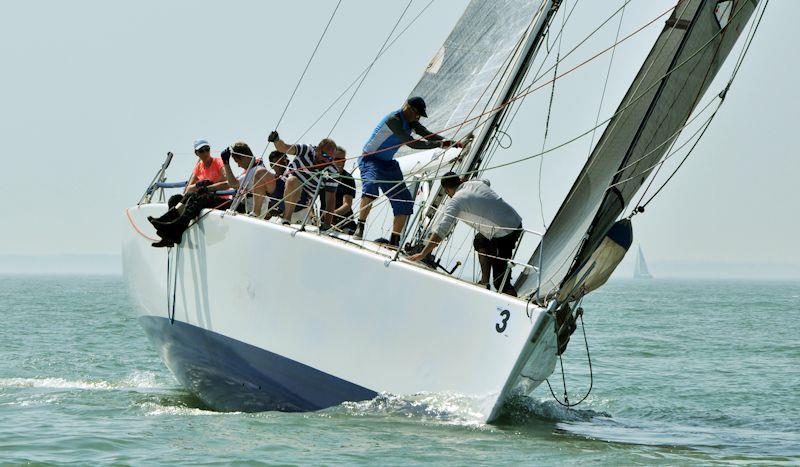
{"x": 94, "y": 93}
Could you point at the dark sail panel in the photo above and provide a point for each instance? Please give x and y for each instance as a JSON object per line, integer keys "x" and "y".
{"x": 684, "y": 60}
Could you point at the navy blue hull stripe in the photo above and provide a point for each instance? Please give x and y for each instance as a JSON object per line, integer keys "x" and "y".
{"x": 233, "y": 376}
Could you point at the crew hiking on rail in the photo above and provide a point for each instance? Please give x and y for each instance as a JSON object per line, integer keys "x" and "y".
{"x": 286, "y": 186}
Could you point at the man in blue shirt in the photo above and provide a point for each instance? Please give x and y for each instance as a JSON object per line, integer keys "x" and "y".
{"x": 380, "y": 171}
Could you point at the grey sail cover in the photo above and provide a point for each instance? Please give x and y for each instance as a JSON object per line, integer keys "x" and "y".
{"x": 684, "y": 60}
{"x": 466, "y": 75}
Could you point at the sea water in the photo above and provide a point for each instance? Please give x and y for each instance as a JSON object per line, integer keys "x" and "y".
{"x": 683, "y": 372}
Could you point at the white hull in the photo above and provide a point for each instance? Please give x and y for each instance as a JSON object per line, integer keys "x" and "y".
{"x": 269, "y": 318}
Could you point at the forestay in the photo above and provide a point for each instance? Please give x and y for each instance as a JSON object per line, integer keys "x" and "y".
{"x": 681, "y": 65}
{"x": 464, "y": 77}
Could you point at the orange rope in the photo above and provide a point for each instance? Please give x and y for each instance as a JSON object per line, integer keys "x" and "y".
{"x": 136, "y": 227}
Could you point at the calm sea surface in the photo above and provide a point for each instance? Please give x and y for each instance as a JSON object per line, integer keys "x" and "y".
{"x": 684, "y": 372}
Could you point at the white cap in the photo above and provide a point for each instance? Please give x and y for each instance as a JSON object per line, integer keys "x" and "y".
{"x": 199, "y": 143}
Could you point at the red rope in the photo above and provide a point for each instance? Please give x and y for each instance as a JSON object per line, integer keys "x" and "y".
{"x": 136, "y": 227}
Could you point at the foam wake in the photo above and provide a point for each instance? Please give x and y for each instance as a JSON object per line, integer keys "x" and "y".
{"x": 134, "y": 381}
{"x": 459, "y": 409}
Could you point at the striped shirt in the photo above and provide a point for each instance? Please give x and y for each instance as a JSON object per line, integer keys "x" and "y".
{"x": 305, "y": 167}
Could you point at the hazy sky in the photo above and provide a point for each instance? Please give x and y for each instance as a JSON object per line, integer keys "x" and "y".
{"x": 94, "y": 93}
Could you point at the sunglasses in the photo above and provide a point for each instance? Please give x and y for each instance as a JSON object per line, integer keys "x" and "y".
{"x": 204, "y": 149}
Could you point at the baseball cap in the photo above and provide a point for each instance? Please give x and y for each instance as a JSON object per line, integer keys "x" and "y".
{"x": 199, "y": 143}
{"x": 418, "y": 104}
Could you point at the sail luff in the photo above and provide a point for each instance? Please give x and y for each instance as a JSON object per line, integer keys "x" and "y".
{"x": 674, "y": 76}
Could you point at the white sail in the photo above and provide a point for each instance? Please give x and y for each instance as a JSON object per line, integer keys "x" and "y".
{"x": 640, "y": 269}
{"x": 466, "y": 75}
{"x": 681, "y": 65}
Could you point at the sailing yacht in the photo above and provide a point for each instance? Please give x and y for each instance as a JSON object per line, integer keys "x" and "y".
{"x": 249, "y": 315}
{"x": 640, "y": 269}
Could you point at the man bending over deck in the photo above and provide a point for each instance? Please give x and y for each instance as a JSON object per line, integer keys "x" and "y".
{"x": 379, "y": 170}
{"x": 311, "y": 168}
{"x": 498, "y": 224}
{"x": 257, "y": 180}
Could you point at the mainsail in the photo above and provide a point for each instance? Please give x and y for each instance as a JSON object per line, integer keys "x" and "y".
{"x": 678, "y": 70}
{"x": 465, "y": 77}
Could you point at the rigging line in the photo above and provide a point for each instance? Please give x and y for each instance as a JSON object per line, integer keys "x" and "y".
{"x": 516, "y": 106}
{"x": 389, "y": 45}
{"x": 670, "y": 151}
{"x": 689, "y": 153}
{"x": 302, "y": 75}
{"x": 608, "y": 75}
{"x": 566, "y": 402}
{"x": 369, "y": 68}
{"x": 590, "y": 35}
{"x": 547, "y": 126}
{"x": 522, "y": 95}
{"x": 722, "y": 95}
{"x": 671, "y": 138}
{"x": 168, "y": 279}
{"x": 175, "y": 284}
{"x": 618, "y": 112}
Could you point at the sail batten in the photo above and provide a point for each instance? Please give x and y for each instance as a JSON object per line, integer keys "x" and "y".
{"x": 673, "y": 78}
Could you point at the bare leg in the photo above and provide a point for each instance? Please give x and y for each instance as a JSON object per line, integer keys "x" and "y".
{"x": 486, "y": 266}
{"x": 363, "y": 212}
{"x": 292, "y": 194}
{"x": 397, "y": 228}
{"x": 364, "y": 207}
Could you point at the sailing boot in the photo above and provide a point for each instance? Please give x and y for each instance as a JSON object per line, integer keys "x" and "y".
{"x": 163, "y": 244}
{"x": 168, "y": 216}
{"x": 359, "y": 233}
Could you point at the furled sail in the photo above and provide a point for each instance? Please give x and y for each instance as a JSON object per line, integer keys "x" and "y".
{"x": 466, "y": 75}
{"x": 681, "y": 65}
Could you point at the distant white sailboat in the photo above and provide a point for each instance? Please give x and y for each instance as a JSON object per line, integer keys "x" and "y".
{"x": 251, "y": 315}
{"x": 641, "y": 271}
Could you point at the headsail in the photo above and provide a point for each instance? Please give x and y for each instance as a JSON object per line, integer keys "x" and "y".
{"x": 681, "y": 65}
{"x": 466, "y": 76}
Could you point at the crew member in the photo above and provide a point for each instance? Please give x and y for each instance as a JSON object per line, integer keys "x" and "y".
{"x": 498, "y": 224}
{"x": 279, "y": 163}
{"x": 345, "y": 192}
{"x": 207, "y": 168}
{"x": 311, "y": 167}
{"x": 379, "y": 170}
{"x": 257, "y": 180}
{"x": 206, "y": 178}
